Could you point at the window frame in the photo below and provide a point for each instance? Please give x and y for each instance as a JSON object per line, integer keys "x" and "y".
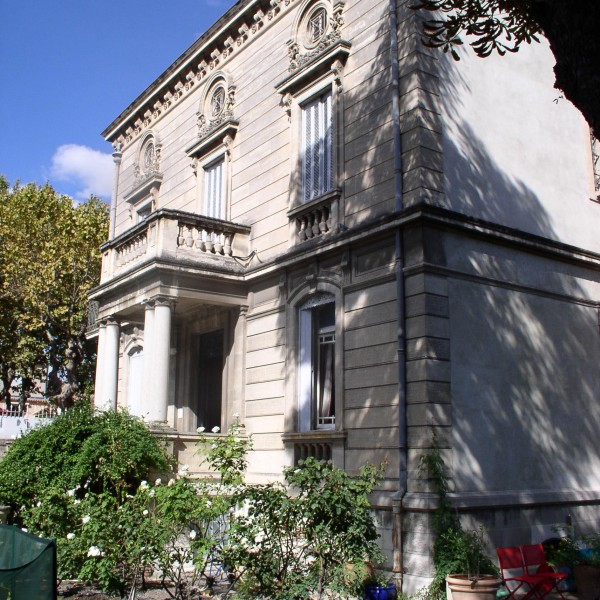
{"x": 295, "y": 420}
{"x": 317, "y": 109}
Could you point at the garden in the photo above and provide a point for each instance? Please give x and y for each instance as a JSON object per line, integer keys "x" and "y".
{"x": 126, "y": 518}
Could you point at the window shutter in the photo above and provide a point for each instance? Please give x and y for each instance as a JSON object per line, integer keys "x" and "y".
{"x": 213, "y": 190}
{"x": 318, "y": 147}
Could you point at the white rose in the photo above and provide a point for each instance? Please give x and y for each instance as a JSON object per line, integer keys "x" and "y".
{"x": 144, "y": 485}
{"x": 171, "y": 482}
{"x": 85, "y": 519}
{"x": 201, "y": 429}
{"x": 70, "y": 536}
{"x": 158, "y": 481}
{"x": 94, "y": 551}
{"x": 216, "y": 429}
{"x": 192, "y": 535}
{"x": 145, "y": 513}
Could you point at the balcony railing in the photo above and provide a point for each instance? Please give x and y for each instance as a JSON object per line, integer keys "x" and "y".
{"x": 316, "y": 218}
{"x": 325, "y": 445}
{"x": 175, "y": 236}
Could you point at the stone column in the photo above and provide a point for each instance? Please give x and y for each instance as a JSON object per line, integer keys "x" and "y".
{"x": 117, "y": 155}
{"x": 100, "y": 366}
{"x": 149, "y": 389}
{"x": 161, "y": 358}
{"x": 111, "y": 365}
{"x": 236, "y": 374}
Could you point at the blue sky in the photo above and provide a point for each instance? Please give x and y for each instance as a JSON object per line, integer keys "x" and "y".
{"x": 69, "y": 67}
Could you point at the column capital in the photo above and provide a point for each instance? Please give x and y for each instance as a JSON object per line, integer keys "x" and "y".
{"x": 110, "y": 320}
{"x": 164, "y": 301}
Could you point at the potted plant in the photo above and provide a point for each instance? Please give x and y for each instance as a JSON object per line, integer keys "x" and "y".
{"x": 376, "y": 586}
{"x": 580, "y": 553}
{"x": 466, "y": 581}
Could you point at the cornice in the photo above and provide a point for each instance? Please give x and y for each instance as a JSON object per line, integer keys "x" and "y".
{"x": 238, "y": 26}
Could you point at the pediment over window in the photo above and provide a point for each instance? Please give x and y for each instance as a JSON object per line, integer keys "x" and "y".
{"x": 331, "y": 59}
{"x": 316, "y": 46}
{"x": 213, "y": 136}
{"x": 143, "y": 188}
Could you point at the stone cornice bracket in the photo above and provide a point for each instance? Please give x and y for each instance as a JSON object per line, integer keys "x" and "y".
{"x": 286, "y": 104}
{"x": 228, "y": 143}
{"x": 243, "y": 34}
{"x": 194, "y": 165}
{"x": 258, "y": 21}
{"x": 275, "y": 8}
{"x": 337, "y": 68}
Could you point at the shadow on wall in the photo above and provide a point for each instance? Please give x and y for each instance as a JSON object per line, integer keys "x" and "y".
{"x": 476, "y": 184}
{"x": 525, "y": 347}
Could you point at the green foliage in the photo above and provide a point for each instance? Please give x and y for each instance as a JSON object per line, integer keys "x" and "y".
{"x": 81, "y": 483}
{"x": 305, "y": 545}
{"x": 455, "y": 550}
{"x": 79, "y": 452}
{"x": 227, "y": 454}
{"x": 571, "y": 550}
{"x": 493, "y": 25}
{"x": 49, "y": 260}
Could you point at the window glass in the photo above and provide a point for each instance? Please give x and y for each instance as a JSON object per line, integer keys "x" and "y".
{"x": 317, "y": 139}
{"x": 316, "y": 369}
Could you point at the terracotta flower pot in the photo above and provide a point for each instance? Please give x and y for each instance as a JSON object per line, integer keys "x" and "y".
{"x": 482, "y": 588}
{"x": 587, "y": 580}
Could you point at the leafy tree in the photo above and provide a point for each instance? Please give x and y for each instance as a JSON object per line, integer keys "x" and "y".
{"x": 504, "y": 25}
{"x": 49, "y": 260}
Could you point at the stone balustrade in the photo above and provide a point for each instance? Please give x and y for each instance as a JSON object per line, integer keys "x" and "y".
{"x": 175, "y": 236}
{"x": 316, "y": 218}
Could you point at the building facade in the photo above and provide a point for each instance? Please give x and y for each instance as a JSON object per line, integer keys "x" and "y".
{"x": 355, "y": 244}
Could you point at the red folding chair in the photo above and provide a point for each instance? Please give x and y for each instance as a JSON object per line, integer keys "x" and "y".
{"x": 514, "y": 575}
{"x": 535, "y": 562}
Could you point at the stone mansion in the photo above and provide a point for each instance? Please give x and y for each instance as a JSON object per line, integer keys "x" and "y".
{"x": 356, "y": 244}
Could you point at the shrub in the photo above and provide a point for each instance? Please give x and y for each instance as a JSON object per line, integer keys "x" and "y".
{"x": 76, "y": 480}
{"x": 306, "y": 544}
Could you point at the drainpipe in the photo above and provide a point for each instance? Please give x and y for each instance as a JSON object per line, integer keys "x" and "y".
{"x": 117, "y": 155}
{"x": 398, "y": 565}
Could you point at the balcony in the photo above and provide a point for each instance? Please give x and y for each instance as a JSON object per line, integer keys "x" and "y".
{"x": 176, "y": 237}
{"x": 316, "y": 218}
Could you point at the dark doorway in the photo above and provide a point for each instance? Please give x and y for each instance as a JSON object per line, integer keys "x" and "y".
{"x": 209, "y": 379}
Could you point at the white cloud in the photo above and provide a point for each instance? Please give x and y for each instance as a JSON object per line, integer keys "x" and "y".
{"x": 89, "y": 170}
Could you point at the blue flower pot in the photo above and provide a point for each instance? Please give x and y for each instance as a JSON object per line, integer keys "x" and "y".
{"x": 380, "y": 592}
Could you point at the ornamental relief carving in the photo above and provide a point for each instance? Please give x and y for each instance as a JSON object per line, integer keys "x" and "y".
{"x": 209, "y": 60}
{"x": 219, "y": 108}
{"x": 316, "y": 34}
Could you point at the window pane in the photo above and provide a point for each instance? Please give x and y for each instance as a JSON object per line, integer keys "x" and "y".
{"x": 317, "y": 154}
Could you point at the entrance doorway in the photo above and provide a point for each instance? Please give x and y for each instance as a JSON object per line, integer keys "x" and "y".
{"x": 209, "y": 379}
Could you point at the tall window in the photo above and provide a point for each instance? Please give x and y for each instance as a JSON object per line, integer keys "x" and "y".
{"x": 316, "y": 379}
{"x": 317, "y": 151}
{"x": 214, "y": 205}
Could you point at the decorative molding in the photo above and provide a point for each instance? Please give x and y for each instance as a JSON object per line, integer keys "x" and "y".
{"x": 143, "y": 187}
{"x": 222, "y": 133}
{"x": 299, "y": 59}
{"x": 163, "y": 96}
{"x": 331, "y": 58}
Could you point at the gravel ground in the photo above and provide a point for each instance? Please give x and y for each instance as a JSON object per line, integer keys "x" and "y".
{"x": 154, "y": 591}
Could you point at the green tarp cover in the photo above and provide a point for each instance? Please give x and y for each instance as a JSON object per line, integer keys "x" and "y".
{"x": 27, "y": 566}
